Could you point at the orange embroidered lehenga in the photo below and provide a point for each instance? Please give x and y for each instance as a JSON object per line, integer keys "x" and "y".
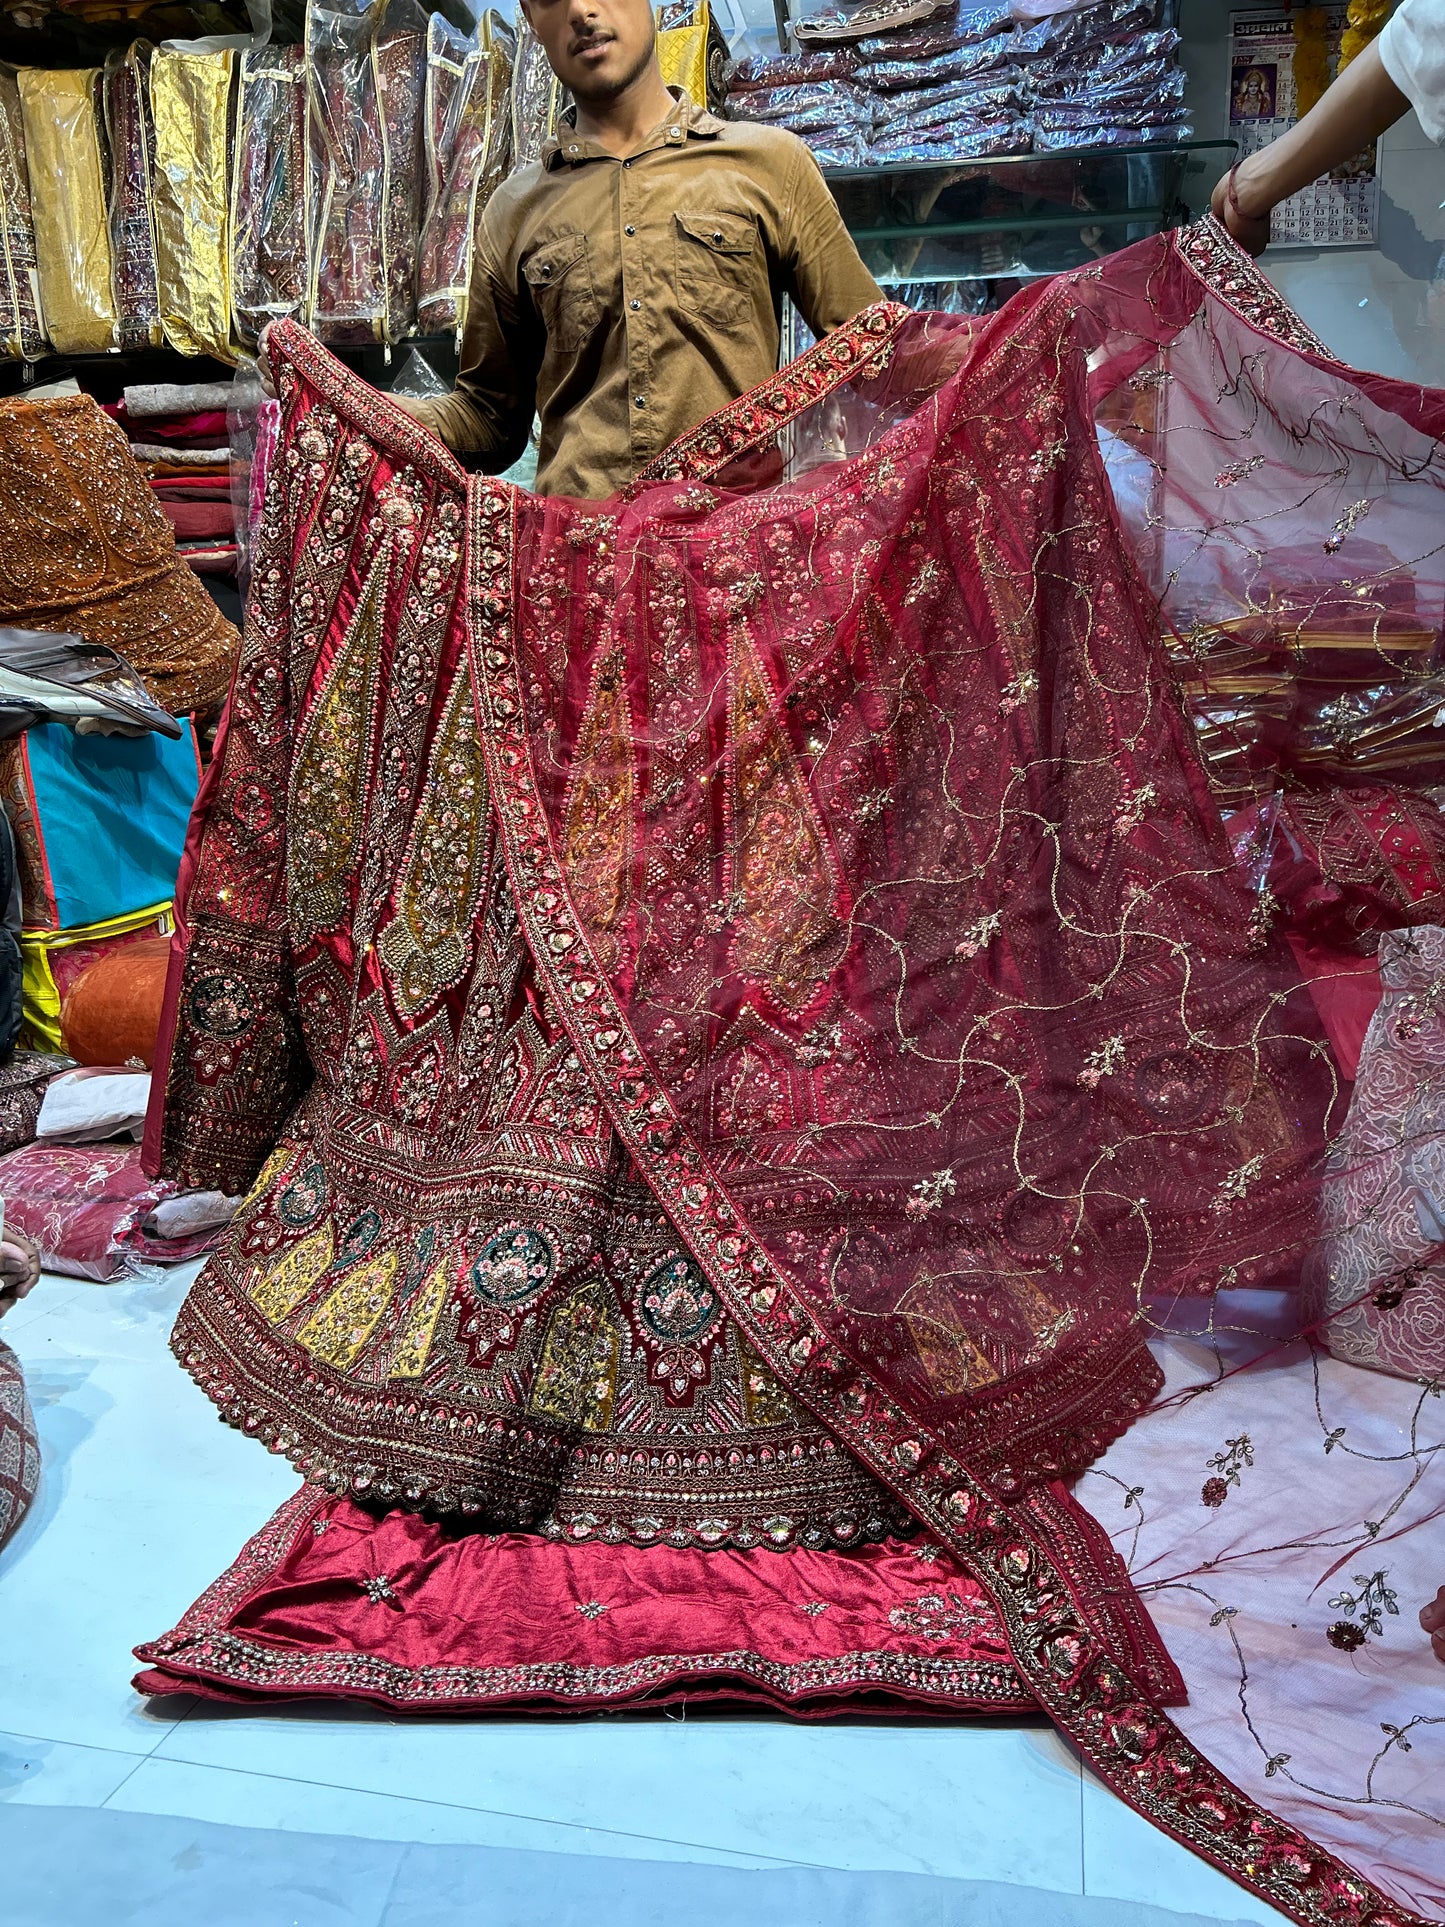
{"x": 744, "y": 1006}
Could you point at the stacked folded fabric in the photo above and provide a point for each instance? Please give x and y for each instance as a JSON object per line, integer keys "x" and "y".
{"x": 178, "y": 434}
{"x": 1103, "y": 76}
{"x": 945, "y": 80}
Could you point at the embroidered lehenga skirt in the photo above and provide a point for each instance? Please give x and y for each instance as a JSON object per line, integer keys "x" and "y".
{"x": 735, "y": 1007}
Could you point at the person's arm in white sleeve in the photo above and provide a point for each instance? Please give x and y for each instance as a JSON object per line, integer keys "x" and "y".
{"x": 1355, "y": 110}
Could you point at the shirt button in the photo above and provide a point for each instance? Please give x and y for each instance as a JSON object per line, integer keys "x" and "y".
{"x": 629, "y": 229}
{"x": 641, "y": 400}
{"x": 634, "y": 305}
{"x": 674, "y": 133}
{"x": 717, "y": 237}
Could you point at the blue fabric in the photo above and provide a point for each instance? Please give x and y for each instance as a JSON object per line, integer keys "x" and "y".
{"x": 112, "y": 812}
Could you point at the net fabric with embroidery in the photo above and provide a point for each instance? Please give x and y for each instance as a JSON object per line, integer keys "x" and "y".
{"x": 861, "y": 857}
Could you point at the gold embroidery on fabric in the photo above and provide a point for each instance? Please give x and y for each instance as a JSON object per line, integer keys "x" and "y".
{"x": 330, "y": 769}
{"x": 597, "y": 837}
{"x": 420, "y": 1333}
{"x": 427, "y": 945}
{"x": 953, "y": 1362}
{"x": 277, "y": 1294}
{"x": 782, "y": 882}
{"x": 341, "y": 1324}
{"x": 765, "y": 1402}
{"x": 576, "y": 1379}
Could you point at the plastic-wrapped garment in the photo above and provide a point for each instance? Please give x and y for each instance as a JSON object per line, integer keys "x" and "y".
{"x": 1161, "y": 100}
{"x": 536, "y": 98}
{"x": 348, "y": 298}
{"x": 1110, "y": 59}
{"x": 962, "y": 100}
{"x": 965, "y": 63}
{"x": 83, "y": 1205}
{"x": 1087, "y": 27}
{"x": 835, "y": 101}
{"x": 469, "y": 157}
{"x": 399, "y": 60}
{"x": 1060, "y": 140}
{"x": 791, "y": 70}
{"x": 447, "y": 48}
{"x": 962, "y": 140}
{"x": 54, "y": 961}
{"x": 191, "y": 106}
{"x": 22, "y": 327}
{"x": 126, "y": 102}
{"x": 268, "y": 205}
{"x": 111, "y": 1014}
{"x": 960, "y": 26}
{"x": 878, "y": 16}
{"x": 1103, "y": 80}
{"x": 61, "y": 117}
{"x": 839, "y": 152}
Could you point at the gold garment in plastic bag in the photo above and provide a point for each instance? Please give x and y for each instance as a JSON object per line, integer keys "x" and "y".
{"x": 190, "y": 102}
{"x": 67, "y": 176}
{"x": 682, "y": 56}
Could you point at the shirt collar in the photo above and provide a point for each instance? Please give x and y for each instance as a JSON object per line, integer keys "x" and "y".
{"x": 563, "y": 149}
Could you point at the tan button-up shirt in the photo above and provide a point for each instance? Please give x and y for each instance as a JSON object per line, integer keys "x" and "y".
{"x": 625, "y": 301}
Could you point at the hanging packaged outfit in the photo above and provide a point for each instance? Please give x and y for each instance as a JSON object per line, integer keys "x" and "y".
{"x": 130, "y": 137}
{"x": 22, "y": 324}
{"x": 191, "y": 113}
{"x": 269, "y": 252}
{"x": 468, "y": 151}
{"x": 367, "y": 72}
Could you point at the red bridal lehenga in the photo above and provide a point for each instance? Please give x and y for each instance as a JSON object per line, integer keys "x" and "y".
{"x": 751, "y": 1001}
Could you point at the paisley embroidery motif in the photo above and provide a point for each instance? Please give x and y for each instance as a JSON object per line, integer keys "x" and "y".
{"x": 419, "y": 1334}
{"x": 304, "y": 1198}
{"x": 782, "y": 882}
{"x": 329, "y": 777}
{"x": 427, "y": 945}
{"x": 597, "y": 842}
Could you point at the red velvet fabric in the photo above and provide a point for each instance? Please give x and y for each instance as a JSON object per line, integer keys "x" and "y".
{"x": 334, "y": 1601}
{"x": 191, "y": 520}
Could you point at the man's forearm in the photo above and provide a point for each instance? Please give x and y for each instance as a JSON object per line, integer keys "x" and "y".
{"x": 467, "y": 429}
{"x": 1354, "y": 111}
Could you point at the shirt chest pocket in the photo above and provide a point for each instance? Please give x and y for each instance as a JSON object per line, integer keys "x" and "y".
{"x": 717, "y": 265}
{"x": 559, "y": 274}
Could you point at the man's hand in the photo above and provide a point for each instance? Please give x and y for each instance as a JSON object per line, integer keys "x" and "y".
{"x": 19, "y": 1268}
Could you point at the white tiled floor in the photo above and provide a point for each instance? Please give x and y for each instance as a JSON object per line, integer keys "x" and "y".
{"x": 146, "y": 1498}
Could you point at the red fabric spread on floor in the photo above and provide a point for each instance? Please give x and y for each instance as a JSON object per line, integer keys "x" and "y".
{"x": 329, "y": 1599}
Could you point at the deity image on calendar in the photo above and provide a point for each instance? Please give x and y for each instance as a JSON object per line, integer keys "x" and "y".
{"x": 1255, "y": 91}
